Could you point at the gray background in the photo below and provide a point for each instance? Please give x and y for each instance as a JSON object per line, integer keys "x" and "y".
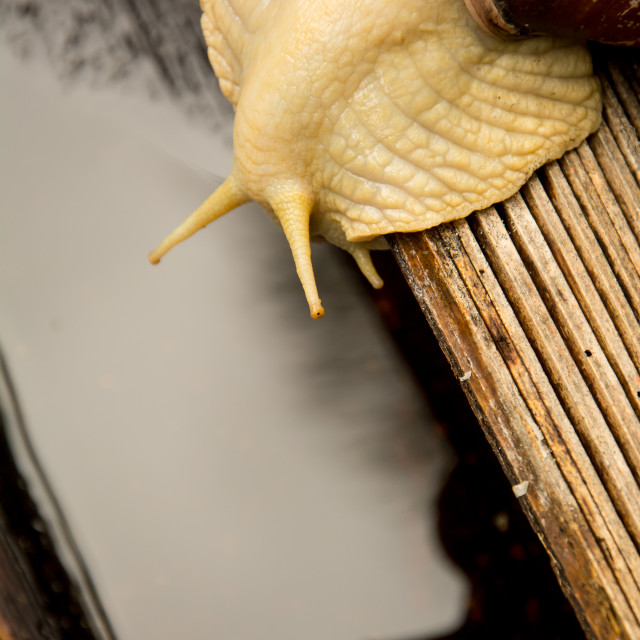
{"x": 230, "y": 467}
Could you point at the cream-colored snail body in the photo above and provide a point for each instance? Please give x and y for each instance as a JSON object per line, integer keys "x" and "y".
{"x": 357, "y": 118}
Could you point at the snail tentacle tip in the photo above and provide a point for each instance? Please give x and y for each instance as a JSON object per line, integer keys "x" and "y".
{"x": 292, "y": 207}
{"x": 154, "y": 257}
{"x": 362, "y": 256}
{"x": 316, "y": 310}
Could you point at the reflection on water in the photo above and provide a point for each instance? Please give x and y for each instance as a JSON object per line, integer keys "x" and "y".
{"x": 230, "y": 467}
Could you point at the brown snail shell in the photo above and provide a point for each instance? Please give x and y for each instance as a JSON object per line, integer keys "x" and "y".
{"x": 608, "y": 21}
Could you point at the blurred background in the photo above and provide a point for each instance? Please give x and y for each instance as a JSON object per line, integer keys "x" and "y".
{"x": 228, "y": 467}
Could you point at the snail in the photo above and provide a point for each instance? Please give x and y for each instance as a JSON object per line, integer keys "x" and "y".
{"x": 359, "y": 118}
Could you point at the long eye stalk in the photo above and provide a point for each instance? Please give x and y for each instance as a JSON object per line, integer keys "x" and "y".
{"x": 293, "y": 211}
{"x": 226, "y": 197}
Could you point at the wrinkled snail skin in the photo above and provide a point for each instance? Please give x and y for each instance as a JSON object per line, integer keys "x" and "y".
{"x": 359, "y": 118}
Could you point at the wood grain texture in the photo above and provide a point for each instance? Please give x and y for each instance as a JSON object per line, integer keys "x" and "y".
{"x": 538, "y": 299}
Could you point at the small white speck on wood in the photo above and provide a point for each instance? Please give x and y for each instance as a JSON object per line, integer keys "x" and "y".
{"x": 465, "y": 377}
{"x": 521, "y": 489}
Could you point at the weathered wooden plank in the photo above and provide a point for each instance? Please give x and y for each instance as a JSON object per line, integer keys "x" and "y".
{"x": 611, "y": 206}
{"x": 625, "y": 85}
{"x": 581, "y": 343}
{"x": 548, "y": 342}
{"x": 592, "y": 258}
{"x": 621, "y": 129}
{"x": 479, "y": 343}
{"x": 602, "y": 226}
{"x": 618, "y": 175}
{"x": 586, "y": 295}
{"x": 539, "y": 298}
{"x": 556, "y": 429}
{"x": 614, "y": 251}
